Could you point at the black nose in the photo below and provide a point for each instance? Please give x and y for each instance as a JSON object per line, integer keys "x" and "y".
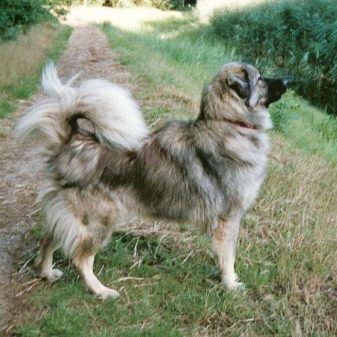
{"x": 276, "y": 88}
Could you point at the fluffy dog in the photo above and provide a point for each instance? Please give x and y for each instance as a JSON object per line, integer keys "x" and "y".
{"x": 206, "y": 171}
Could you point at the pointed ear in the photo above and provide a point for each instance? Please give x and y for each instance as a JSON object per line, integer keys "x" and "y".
{"x": 239, "y": 84}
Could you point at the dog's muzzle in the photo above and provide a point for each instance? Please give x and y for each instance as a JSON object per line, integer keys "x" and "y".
{"x": 276, "y": 88}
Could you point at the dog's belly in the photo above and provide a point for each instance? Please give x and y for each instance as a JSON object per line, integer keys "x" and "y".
{"x": 131, "y": 209}
{"x": 200, "y": 204}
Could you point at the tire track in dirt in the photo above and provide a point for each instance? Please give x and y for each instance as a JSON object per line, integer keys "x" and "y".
{"x": 87, "y": 52}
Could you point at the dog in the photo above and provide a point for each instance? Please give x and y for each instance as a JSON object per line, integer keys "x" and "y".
{"x": 205, "y": 171}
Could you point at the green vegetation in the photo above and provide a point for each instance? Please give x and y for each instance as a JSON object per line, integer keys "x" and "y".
{"x": 18, "y": 15}
{"x": 166, "y": 275}
{"x": 22, "y": 61}
{"x": 299, "y": 37}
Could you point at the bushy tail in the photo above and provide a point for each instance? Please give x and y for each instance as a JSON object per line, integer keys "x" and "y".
{"x": 113, "y": 112}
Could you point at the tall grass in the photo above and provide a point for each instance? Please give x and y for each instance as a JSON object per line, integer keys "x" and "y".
{"x": 23, "y": 59}
{"x": 298, "y": 37}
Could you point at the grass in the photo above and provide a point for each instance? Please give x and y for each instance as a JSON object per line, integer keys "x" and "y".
{"x": 22, "y": 61}
{"x": 167, "y": 276}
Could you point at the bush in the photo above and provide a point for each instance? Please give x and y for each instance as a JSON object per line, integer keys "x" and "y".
{"x": 16, "y": 15}
{"x": 298, "y": 37}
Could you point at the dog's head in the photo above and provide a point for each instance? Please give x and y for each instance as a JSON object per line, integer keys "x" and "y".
{"x": 239, "y": 94}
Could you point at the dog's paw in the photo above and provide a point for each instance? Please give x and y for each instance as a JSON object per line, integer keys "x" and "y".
{"x": 231, "y": 282}
{"x": 52, "y": 275}
{"x": 107, "y": 293}
{"x": 236, "y": 286}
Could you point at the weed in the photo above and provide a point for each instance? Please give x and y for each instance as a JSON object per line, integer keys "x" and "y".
{"x": 6, "y": 108}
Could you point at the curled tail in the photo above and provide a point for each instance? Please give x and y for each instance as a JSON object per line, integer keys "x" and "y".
{"x": 111, "y": 109}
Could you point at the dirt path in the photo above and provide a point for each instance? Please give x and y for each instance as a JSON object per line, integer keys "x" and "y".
{"x": 21, "y": 166}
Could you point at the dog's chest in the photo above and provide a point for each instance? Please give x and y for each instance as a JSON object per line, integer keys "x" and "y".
{"x": 247, "y": 184}
{"x": 242, "y": 178}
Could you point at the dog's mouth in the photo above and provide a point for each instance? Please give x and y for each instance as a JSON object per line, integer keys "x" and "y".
{"x": 276, "y": 88}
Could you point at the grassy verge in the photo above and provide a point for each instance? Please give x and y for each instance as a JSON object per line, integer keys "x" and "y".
{"x": 167, "y": 276}
{"x": 22, "y": 61}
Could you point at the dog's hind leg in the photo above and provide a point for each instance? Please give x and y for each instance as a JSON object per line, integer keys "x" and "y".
{"x": 44, "y": 261}
{"x": 84, "y": 261}
{"x": 224, "y": 238}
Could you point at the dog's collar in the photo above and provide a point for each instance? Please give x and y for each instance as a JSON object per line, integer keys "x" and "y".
{"x": 242, "y": 124}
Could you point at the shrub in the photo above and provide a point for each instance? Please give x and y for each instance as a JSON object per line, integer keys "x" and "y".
{"x": 299, "y": 37}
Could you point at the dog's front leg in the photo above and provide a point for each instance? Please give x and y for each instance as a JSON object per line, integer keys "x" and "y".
{"x": 224, "y": 238}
